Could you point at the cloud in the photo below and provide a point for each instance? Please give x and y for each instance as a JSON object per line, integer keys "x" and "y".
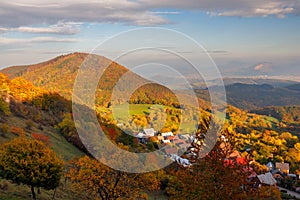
{"x": 241, "y": 8}
{"x": 166, "y": 12}
{"x": 9, "y": 41}
{"x": 60, "y": 28}
{"x": 17, "y": 13}
{"x": 263, "y": 67}
{"x": 259, "y": 67}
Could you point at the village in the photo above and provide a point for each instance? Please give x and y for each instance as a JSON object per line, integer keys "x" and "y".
{"x": 278, "y": 174}
{"x": 171, "y": 145}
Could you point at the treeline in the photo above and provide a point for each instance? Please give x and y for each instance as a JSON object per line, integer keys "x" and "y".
{"x": 286, "y": 114}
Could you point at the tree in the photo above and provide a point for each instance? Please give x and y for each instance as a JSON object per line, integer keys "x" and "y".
{"x": 89, "y": 174}
{"x": 216, "y": 176}
{"x": 30, "y": 162}
{"x": 4, "y": 129}
{"x": 4, "y": 107}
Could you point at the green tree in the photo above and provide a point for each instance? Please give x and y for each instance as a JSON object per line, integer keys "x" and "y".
{"x": 4, "y": 107}
{"x": 30, "y": 162}
{"x": 67, "y": 126}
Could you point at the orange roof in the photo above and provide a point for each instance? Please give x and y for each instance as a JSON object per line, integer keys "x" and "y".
{"x": 171, "y": 150}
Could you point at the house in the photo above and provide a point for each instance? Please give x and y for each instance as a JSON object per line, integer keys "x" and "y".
{"x": 267, "y": 179}
{"x": 181, "y": 161}
{"x": 293, "y": 176}
{"x": 141, "y": 137}
{"x": 144, "y": 135}
{"x": 167, "y": 134}
{"x": 235, "y": 154}
{"x": 149, "y": 132}
{"x": 166, "y": 141}
{"x": 270, "y": 166}
{"x": 283, "y": 167}
{"x": 184, "y": 137}
{"x": 171, "y": 150}
{"x": 171, "y": 138}
{"x": 231, "y": 161}
{"x": 178, "y": 141}
{"x": 160, "y": 138}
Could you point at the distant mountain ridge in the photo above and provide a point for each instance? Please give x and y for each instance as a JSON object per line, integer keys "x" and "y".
{"x": 248, "y": 96}
{"x": 257, "y": 81}
{"x": 294, "y": 87}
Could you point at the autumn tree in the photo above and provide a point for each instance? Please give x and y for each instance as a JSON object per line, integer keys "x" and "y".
{"x": 30, "y": 162}
{"x": 215, "y": 176}
{"x": 106, "y": 183}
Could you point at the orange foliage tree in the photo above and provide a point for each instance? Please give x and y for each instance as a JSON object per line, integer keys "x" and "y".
{"x": 106, "y": 183}
{"x": 41, "y": 137}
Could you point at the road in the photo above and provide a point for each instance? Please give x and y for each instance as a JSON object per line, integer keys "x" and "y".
{"x": 292, "y": 193}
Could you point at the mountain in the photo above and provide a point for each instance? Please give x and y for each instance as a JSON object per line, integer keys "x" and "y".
{"x": 254, "y": 96}
{"x": 58, "y": 75}
{"x": 295, "y": 87}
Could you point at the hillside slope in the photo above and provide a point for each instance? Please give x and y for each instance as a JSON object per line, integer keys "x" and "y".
{"x": 58, "y": 75}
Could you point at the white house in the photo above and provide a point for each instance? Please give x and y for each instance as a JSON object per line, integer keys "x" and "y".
{"x": 145, "y": 134}
{"x": 181, "y": 161}
{"x": 167, "y": 134}
{"x": 149, "y": 132}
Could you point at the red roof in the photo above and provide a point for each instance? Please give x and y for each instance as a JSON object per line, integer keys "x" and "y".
{"x": 171, "y": 150}
{"x": 239, "y": 161}
{"x": 170, "y": 137}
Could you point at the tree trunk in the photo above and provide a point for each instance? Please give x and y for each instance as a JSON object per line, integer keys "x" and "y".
{"x": 33, "y": 193}
{"x": 54, "y": 194}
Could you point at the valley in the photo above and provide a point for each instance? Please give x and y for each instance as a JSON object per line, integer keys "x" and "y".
{"x": 36, "y": 103}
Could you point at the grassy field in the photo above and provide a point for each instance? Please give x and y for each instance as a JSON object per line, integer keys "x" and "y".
{"x": 122, "y": 113}
{"x": 9, "y": 191}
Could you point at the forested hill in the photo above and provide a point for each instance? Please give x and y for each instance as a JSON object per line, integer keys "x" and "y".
{"x": 289, "y": 114}
{"x": 58, "y": 75}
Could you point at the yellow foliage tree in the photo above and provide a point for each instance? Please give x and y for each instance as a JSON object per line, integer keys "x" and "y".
{"x": 30, "y": 162}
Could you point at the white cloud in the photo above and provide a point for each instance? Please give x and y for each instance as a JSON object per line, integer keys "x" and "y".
{"x": 52, "y": 11}
{"x": 10, "y": 41}
{"x": 241, "y": 8}
{"x": 60, "y": 28}
{"x": 16, "y": 13}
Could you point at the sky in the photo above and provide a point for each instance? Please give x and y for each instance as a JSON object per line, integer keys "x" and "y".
{"x": 244, "y": 38}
